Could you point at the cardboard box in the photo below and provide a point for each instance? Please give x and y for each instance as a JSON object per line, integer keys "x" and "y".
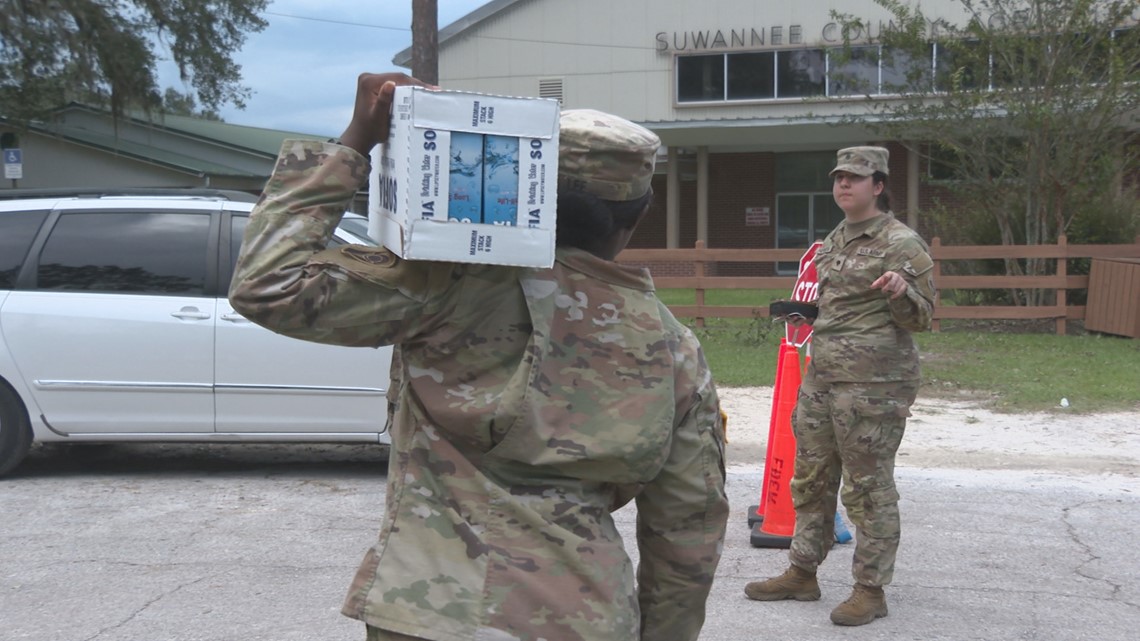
{"x": 409, "y": 189}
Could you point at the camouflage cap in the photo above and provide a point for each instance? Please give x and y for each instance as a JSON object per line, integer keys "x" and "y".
{"x": 605, "y": 155}
{"x": 861, "y": 161}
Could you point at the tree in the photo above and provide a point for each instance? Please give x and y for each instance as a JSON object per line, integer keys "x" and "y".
{"x": 106, "y": 51}
{"x": 1030, "y": 105}
{"x": 176, "y": 103}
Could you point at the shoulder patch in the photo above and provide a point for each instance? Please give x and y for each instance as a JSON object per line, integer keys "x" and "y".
{"x": 919, "y": 264}
{"x": 374, "y": 256}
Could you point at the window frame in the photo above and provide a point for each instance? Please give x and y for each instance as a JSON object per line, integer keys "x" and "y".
{"x": 21, "y": 265}
{"x": 29, "y": 277}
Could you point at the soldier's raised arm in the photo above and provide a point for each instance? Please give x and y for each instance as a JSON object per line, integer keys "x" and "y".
{"x": 285, "y": 279}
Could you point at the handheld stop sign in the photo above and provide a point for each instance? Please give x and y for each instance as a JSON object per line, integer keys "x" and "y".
{"x": 806, "y": 290}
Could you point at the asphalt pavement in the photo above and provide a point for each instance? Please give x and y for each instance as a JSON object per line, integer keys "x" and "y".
{"x": 228, "y": 543}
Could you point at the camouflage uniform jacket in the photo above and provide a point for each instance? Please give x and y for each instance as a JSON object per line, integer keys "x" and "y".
{"x": 862, "y": 335}
{"x": 532, "y": 403}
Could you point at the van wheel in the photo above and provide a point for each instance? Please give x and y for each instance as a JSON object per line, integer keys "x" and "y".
{"x": 15, "y": 432}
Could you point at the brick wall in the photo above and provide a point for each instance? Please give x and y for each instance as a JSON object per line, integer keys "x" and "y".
{"x": 741, "y": 180}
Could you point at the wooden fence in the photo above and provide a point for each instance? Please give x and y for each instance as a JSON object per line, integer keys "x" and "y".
{"x": 701, "y": 263}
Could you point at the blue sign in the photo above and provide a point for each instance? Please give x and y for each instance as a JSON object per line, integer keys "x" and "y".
{"x": 13, "y": 157}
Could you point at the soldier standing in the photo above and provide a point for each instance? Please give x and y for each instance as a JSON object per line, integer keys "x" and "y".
{"x": 875, "y": 288}
{"x": 531, "y": 403}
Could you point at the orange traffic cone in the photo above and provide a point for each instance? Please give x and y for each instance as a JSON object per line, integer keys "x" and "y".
{"x": 779, "y": 523}
{"x": 756, "y": 512}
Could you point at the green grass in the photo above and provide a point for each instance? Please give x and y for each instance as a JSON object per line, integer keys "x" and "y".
{"x": 1023, "y": 372}
{"x": 1012, "y": 372}
{"x": 724, "y": 297}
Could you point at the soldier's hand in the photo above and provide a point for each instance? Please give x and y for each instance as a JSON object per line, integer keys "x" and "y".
{"x": 372, "y": 113}
{"x": 892, "y": 284}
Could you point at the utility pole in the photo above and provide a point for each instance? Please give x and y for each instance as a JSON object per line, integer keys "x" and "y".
{"x": 425, "y": 41}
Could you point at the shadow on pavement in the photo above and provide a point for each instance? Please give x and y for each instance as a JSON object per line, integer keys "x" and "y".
{"x": 197, "y": 459}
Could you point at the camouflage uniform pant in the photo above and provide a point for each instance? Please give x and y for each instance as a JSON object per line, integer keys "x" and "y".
{"x": 851, "y": 430}
{"x": 376, "y": 634}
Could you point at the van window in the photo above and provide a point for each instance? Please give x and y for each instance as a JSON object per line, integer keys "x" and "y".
{"x": 17, "y": 229}
{"x": 127, "y": 252}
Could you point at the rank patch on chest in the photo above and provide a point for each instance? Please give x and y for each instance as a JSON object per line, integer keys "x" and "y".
{"x": 872, "y": 252}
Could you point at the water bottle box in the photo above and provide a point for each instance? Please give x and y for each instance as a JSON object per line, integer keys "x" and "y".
{"x": 427, "y": 203}
{"x": 500, "y": 180}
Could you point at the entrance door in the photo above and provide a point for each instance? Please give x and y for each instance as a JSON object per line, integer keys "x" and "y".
{"x": 117, "y": 335}
{"x": 802, "y": 219}
{"x": 805, "y": 209}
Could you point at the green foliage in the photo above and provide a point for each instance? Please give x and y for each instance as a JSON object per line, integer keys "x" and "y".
{"x": 105, "y": 52}
{"x": 180, "y": 104}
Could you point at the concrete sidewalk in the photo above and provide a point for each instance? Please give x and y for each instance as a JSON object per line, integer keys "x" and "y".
{"x": 217, "y": 543}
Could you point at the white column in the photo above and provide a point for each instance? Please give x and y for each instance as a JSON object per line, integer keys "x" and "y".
{"x": 703, "y": 194}
{"x": 673, "y": 201}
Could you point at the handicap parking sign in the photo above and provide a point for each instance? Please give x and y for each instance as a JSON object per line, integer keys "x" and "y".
{"x": 13, "y": 164}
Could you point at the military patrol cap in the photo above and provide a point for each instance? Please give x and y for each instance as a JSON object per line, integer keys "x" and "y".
{"x": 861, "y": 161}
{"x": 605, "y": 155}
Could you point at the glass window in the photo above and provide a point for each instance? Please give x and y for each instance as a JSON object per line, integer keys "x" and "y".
{"x": 804, "y": 171}
{"x": 137, "y": 253}
{"x": 237, "y": 232}
{"x": 1085, "y": 56}
{"x": 1124, "y": 42}
{"x": 854, "y": 72}
{"x": 961, "y": 65}
{"x": 1019, "y": 61}
{"x": 700, "y": 78}
{"x": 793, "y": 220}
{"x": 358, "y": 228}
{"x": 905, "y": 72}
{"x": 941, "y": 163}
{"x": 17, "y": 229}
{"x": 826, "y": 215}
{"x": 800, "y": 73}
{"x": 751, "y": 75}
{"x": 802, "y": 219}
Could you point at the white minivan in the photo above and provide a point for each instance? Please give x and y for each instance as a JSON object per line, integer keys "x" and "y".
{"x": 114, "y": 326}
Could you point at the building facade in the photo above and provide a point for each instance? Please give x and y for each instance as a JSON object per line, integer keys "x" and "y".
{"x": 741, "y": 92}
{"x": 84, "y": 147}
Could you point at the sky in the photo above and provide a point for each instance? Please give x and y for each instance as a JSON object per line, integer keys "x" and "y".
{"x": 302, "y": 68}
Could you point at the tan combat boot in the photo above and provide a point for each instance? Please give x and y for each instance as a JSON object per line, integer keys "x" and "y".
{"x": 795, "y": 583}
{"x": 865, "y": 604}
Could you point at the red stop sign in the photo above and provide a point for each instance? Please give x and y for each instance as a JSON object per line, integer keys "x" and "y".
{"x": 806, "y": 290}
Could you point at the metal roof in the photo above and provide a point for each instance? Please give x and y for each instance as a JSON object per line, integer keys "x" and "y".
{"x": 240, "y": 139}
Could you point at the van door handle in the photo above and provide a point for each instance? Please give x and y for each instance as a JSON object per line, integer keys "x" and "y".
{"x": 235, "y": 318}
{"x": 190, "y": 313}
